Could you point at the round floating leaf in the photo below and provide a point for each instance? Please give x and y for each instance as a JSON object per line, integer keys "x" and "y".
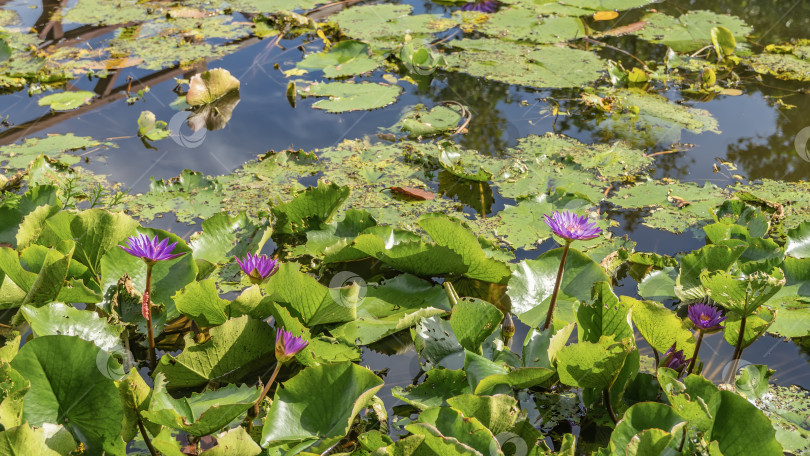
{"x": 209, "y": 86}
{"x": 22, "y": 440}
{"x": 347, "y": 97}
{"x": 526, "y": 25}
{"x": 66, "y": 101}
{"x": 234, "y": 442}
{"x": 498, "y": 413}
{"x": 68, "y": 388}
{"x": 346, "y": 58}
{"x": 319, "y": 403}
{"x": 690, "y": 31}
{"x": 532, "y": 284}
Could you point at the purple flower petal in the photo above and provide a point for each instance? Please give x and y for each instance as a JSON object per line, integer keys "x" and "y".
{"x": 572, "y": 227}
{"x": 287, "y": 345}
{"x": 258, "y": 268}
{"x": 150, "y": 250}
{"x": 705, "y": 317}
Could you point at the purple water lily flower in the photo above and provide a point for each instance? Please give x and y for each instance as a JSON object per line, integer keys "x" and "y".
{"x": 572, "y": 227}
{"x": 257, "y": 268}
{"x": 150, "y": 250}
{"x": 674, "y": 359}
{"x": 705, "y": 317}
{"x": 288, "y": 345}
{"x": 483, "y": 6}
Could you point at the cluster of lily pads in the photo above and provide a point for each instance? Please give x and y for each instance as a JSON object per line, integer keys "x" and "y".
{"x": 84, "y": 375}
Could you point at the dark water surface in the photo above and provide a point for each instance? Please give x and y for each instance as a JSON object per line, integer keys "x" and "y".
{"x": 758, "y": 136}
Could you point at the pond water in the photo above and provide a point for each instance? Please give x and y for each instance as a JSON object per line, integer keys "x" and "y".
{"x": 754, "y": 138}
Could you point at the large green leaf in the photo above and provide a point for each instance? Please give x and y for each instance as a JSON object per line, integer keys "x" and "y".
{"x": 318, "y": 403}
{"x": 235, "y": 347}
{"x": 660, "y": 327}
{"x": 387, "y": 21}
{"x": 61, "y": 319}
{"x": 307, "y": 299}
{"x": 43, "y": 441}
{"x": 604, "y": 315}
{"x": 532, "y": 284}
{"x": 739, "y": 437}
{"x": 453, "y": 234}
{"x": 200, "y": 301}
{"x": 201, "y": 413}
{"x": 68, "y": 388}
{"x": 235, "y": 442}
{"x": 439, "y": 386}
{"x": 437, "y": 345}
{"x": 592, "y": 365}
{"x": 473, "y": 321}
{"x": 451, "y": 423}
{"x": 526, "y": 25}
{"x": 644, "y": 416}
{"x": 498, "y": 413}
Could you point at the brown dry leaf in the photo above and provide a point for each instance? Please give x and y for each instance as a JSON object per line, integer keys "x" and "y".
{"x": 414, "y": 193}
{"x": 625, "y": 29}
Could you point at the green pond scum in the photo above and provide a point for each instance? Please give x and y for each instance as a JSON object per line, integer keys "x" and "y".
{"x": 404, "y": 228}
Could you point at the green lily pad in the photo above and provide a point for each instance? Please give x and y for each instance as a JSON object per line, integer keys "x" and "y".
{"x": 346, "y": 58}
{"x": 66, "y": 101}
{"x": 526, "y": 25}
{"x": 63, "y": 371}
{"x": 210, "y": 86}
{"x": 423, "y": 122}
{"x": 60, "y": 319}
{"x": 533, "y": 66}
{"x": 439, "y": 386}
{"x": 784, "y": 62}
{"x": 691, "y": 31}
{"x": 319, "y": 403}
{"x": 388, "y": 22}
{"x": 592, "y": 365}
{"x": 347, "y": 97}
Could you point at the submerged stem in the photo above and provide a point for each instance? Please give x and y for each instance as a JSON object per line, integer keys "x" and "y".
{"x": 695, "y": 355}
{"x": 553, "y": 303}
{"x": 146, "y": 310}
{"x": 608, "y": 405}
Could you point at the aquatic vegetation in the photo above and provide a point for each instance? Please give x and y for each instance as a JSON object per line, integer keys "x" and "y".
{"x": 531, "y": 291}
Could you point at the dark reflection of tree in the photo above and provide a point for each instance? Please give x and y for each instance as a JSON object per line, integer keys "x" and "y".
{"x": 488, "y": 125}
{"x": 775, "y": 156}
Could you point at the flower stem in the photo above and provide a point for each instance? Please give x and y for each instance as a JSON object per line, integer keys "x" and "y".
{"x": 737, "y": 352}
{"x": 146, "y": 440}
{"x": 146, "y": 310}
{"x": 695, "y": 355}
{"x": 553, "y": 303}
{"x": 265, "y": 390}
{"x": 608, "y": 405}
